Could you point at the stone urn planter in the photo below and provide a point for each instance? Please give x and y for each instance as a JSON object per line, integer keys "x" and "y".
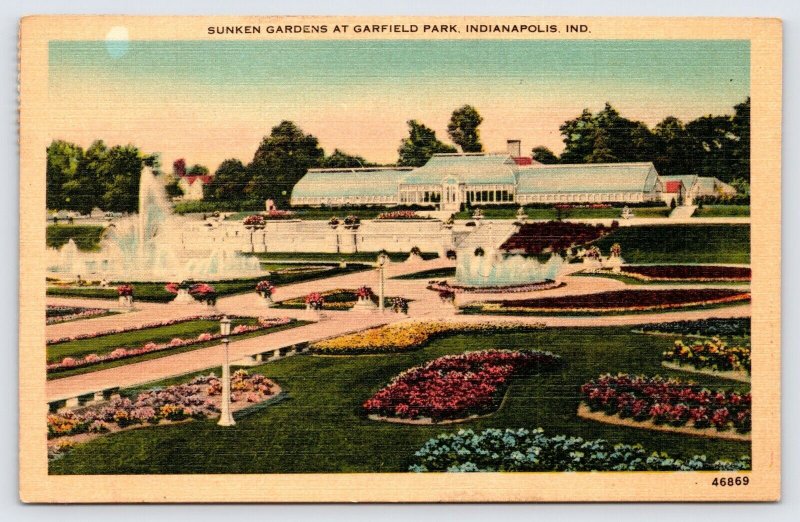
{"x": 364, "y": 304}
{"x": 183, "y": 297}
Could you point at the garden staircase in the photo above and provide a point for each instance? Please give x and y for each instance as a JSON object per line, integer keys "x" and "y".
{"x": 682, "y": 212}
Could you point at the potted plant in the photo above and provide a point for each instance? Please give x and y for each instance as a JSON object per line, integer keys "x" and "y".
{"x": 352, "y": 222}
{"x": 399, "y": 305}
{"x": 204, "y": 293}
{"x": 334, "y": 222}
{"x": 265, "y": 290}
{"x": 125, "y": 293}
{"x": 364, "y": 296}
{"x": 315, "y": 301}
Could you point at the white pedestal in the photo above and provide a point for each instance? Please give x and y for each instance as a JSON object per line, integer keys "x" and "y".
{"x": 126, "y": 301}
{"x": 183, "y": 297}
{"x": 364, "y": 305}
{"x": 267, "y": 302}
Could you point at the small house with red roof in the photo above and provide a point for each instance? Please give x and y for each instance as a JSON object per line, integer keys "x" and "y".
{"x": 674, "y": 192}
{"x": 192, "y": 186}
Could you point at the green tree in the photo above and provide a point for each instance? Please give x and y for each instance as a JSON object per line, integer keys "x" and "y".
{"x": 280, "y": 161}
{"x": 228, "y": 183}
{"x": 544, "y": 155}
{"x": 713, "y": 146}
{"x": 120, "y": 179}
{"x": 463, "y": 128}
{"x": 741, "y": 129}
{"x": 420, "y": 145}
{"x": 197, "y": 170}
{"x": 672, "y": 156}
{"x": 342, "y": 160}
{"x": 579, "y": 138}
{"x": 83, "y": 191}
{"x": 63, "y": 159}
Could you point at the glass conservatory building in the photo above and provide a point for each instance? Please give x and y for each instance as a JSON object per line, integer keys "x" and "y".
{"x": 449, "y": 180}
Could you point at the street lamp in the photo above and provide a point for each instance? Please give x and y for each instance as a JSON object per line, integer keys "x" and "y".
{"x": 382, "y": 259}
{"x": 226, "y": 418}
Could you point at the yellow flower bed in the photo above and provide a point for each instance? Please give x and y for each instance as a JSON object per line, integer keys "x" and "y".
{"x": 405, "y": 336}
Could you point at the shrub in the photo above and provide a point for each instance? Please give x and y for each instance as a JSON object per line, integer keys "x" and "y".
{"x": 531, "y": 450}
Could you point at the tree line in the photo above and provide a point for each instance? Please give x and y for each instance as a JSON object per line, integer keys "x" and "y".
{"x": 717, "y": 146}
{"x": 108, "y": 178}
{"x": 100, "y": 176}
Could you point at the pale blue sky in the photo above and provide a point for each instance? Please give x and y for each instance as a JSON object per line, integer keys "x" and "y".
{"x": 209, "y": 100}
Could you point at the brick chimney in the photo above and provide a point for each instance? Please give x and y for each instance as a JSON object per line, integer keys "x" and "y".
{"x": 514, "y": 148}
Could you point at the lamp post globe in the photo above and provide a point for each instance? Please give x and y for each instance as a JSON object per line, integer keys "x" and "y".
{"x": 382, "y": 260}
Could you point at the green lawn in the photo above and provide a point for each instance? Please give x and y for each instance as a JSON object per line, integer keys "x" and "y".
{"x": 355, "y": 257}
{"x": 320, "y": 428}
{"x": 86, "y": 237}
{"x": 107, "y": 343}
{"x": 156, "y": 292}
{"x": 575, "y": 213}
{"x": 723, "y": 211}
{"x": 683, "y": 244}
{"x": 433, "y": 273}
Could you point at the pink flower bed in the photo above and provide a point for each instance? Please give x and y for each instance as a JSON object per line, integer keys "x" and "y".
{"x": 59, "y": 314}
{"x": 668, "y": 401}
{"x": 157, "y": 324}
{"x": 69, "y": 363}
{"x": 455, "y": 386}
{"x": 400, "y": 214}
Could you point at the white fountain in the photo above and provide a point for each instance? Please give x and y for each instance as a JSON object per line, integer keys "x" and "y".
{"x": 155, "y": 245}
{"x": 493, "y": 268}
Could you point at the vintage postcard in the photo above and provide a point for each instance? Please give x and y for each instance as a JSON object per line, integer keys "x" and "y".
{"x": 329, "y": 259}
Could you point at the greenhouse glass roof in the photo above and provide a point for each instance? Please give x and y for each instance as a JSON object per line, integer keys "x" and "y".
{"x": 343, "y": 183}
{"x": 596, "y": 177}
{"x": 470, "y": 169}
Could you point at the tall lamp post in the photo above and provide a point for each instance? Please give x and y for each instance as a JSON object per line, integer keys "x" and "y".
{"x": 226, "y": 417}
{"x": 382, "y": 259}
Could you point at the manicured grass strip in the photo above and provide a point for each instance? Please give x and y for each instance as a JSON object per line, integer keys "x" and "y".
{"x": 155, "y": 291}
{"x": 574, "y": 213}
{"x": 320, "y": 428}
{"x": 723, "y": 211}
{"x": 164, "y": 353}
{"x": 709, "y": 244}
{"x": 433, "y": 273}
{"x": 86, "y": 237}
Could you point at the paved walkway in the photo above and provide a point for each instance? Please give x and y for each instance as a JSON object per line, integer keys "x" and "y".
{"x": 163, "y": 367}
{"x": 424, "y": 304}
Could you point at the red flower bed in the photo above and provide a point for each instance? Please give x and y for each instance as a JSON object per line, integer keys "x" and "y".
{"x": 552, "y": 236}
{"x": 691, "y": 272}
{"x": 455, "y": 386}
{"x": 668, "y": 401}
{"x": 632, "y": 300}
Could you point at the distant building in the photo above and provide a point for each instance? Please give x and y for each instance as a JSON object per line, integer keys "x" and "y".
{"x": 449, "y": 180}
{"x": 697, "y": 186}
{"x": 674, "y": 191}
{"x": 192, "y": 186}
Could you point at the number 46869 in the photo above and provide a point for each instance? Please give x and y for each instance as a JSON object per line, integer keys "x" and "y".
{"x": 730, "y": 481}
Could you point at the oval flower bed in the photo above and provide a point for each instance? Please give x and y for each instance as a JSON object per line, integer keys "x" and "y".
{"x": 532, "y": 450}
{"x": 687, "y": 272}
{"x": 454, "y": 387}
{"x": 616, "y": 301}
{"x": 666, "y": 405}
{"x": 400, "y": 337}
{"x": 711, "y": 357}
{"x": 69, "y": 363}
{"x": 198, "y": 399}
